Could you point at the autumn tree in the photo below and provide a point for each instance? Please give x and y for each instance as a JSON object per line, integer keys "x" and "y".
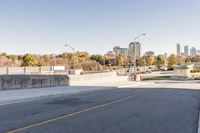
{"x": 159, "y": 61}
{"x": 120, "y": 60}
{"x": 171, "y": 60}
{"x": 196, "y": 58}
{"x": 91, "y": 66}
{"x": 180, "y": 59}
{"x": 188, "y": 59}
{"x": 81, "y": 57}
{"x": 110, "y": 59}
{"x": 149, "y": 59}
{"x": 29, "y": 60}
{"x": 140, "y": 61}
{"x": 98, "y": 58}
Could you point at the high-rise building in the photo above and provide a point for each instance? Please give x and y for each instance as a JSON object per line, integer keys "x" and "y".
{"x": 193, "y": 51}
{"x": 123, "y": 51}
{"x": 198, "y": 52}
{"x": 186, "y": 50}
{"x": 135, "y": 49}
{"x": 116, "y": 50}
{"x": 178, "y": 49}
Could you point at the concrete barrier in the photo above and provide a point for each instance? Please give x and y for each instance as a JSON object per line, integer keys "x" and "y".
{"x": 97, "y": 78}
{"x": 13, "y": 82}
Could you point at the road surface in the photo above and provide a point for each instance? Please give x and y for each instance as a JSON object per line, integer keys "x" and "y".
{"x": 143, "y": 110}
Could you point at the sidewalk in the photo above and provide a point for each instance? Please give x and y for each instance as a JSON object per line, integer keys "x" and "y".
{"x": 13, "y": 96}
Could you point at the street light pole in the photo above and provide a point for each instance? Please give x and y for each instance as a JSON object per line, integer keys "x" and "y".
{"x": 135, "y": 65}
{"x": 73, "y": 49}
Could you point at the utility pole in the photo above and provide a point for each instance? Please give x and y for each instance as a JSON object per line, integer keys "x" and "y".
{"x": 73, "y": 49}
{"x": 135, "y": 58}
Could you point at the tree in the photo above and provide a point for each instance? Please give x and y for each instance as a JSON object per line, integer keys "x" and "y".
{"x": 6, "y": 62}
{"x": 29, "y": 60}
{"x": 68, "y": 56}
{"x": 140, "y": 61}
{"x": 41, "y": 63}
{"x": 159, "y": 61}
{"x": 188, "y": 59}
{"x": 81, "y": 57}
{"x": 110, "y": 59}
{"x": 171, "y": 60}
{"x": 91, "y": 66}
{"x": 150, "y": 59}
{"x": 196, "y": 58}
{"x": 180, "y": 59}
{"x": 120, "y": 60}
{"x": 98, "y": 58}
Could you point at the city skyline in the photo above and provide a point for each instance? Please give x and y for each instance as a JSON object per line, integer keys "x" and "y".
{"x": 134, "y": 49}
{"x": 46, "y": 26}
{"x": 187, "y": 50}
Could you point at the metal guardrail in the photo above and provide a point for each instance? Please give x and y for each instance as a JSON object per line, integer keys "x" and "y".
{"x": 31, "y": 70}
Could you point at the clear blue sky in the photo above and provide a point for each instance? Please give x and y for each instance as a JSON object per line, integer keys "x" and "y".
{"x": 43, "y": 26}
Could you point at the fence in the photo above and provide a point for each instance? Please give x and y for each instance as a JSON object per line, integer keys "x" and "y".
{"x": 32, "y": 70}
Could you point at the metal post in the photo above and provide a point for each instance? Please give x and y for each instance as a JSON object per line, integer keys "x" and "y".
{"x": 135, "y": 58}
{"x": 73, "y": 49}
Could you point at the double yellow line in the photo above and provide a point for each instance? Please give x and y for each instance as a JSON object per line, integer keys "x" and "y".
{"x": 77, "y": 113}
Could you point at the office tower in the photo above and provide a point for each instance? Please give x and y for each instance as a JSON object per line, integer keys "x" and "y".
{"x": 193, "y": 51}
{"x": 178, "y": 49}
{"x": 186, "y": 50}
{"x": 135, "y": 49}
{"x": 123, "y": 51}
{"x": 198, "y": 52}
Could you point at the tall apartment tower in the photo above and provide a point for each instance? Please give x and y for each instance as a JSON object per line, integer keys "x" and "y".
{"x": 186, "y": 50}
{"x": 193, "y": 51}
{"x": 123, "y": 51}
{"x": 198, "y": 52}
{"x": 178, "y": 49}
{"x": 135, "y": 49}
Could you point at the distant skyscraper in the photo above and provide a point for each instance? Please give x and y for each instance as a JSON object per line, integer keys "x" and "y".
{"x": 193, "y": 51}
{"x": 186, "y": 50}
{"x": 198, "y": 52}
{"x": 116, "y": 50}
{"x": 123, "y": 51}
{"x": 178, "y": 49}
{"x": 135, "y": 49}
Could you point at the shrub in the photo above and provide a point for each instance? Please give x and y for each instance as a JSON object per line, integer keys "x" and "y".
{"x": 91, "y": 66}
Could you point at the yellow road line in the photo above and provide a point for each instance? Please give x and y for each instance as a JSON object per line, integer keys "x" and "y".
{"x": 76, "y": 113}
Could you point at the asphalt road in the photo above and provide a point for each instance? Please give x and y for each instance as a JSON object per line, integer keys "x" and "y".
{"x": 106, "y": 111}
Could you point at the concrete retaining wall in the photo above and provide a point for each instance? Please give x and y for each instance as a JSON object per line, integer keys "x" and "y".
{"x": 97, "y": 78}
{"x": 14, "y": 82}
{"x": 11, "y": 82}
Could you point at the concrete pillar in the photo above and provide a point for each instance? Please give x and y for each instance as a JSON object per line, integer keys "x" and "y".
{"x": 40, "y": 69}
{"x": 8, "y": 70}
{"x": 25, "y": 70}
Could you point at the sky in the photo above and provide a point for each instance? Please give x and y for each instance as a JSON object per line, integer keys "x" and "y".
{"x": 96, "y": 26}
